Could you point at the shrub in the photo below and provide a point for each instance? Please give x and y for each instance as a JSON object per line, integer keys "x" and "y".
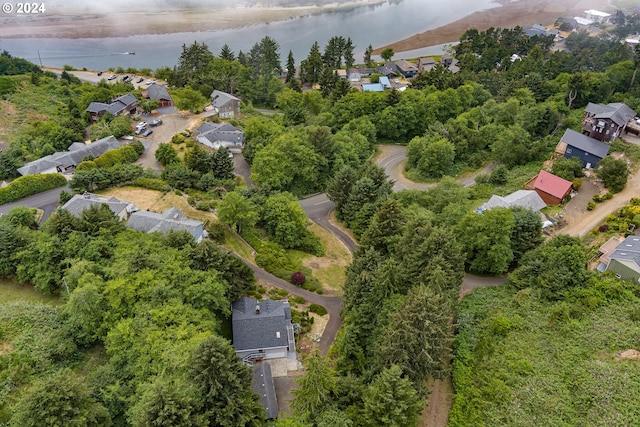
{"x": 178, "y": 193}
{"x": 317, "y": 309}
{"x": 298, "y": 300}
{"x": 298, "y": 278}
{"x": 177, "y": 138}
{"x": 216, "y": 231}
{"x": 30, "y": 184}
{"x": 86, "y": 165}
{"x": 482, "y": 178}
{"x": 591, "y": 206}
{"x": 137, "y": 146}
{"x": 603, "y": 228}
{"x": 577, "y": 183}
{"x": 152, "y": 184}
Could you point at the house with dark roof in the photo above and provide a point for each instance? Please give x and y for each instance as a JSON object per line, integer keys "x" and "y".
{"x": 262, "y": 384}
{"x": 170, "y": 220}
{"x": 66, "y": 161}
{"x": 225, "y": 105}
{"x": 159, "y": 93}
{"x": 606, "y": 122}
{"x": 80, "y": 202}
{"x": 386, "y": 70}
{"x": 527, "y": 199}
{"x": 625, "y": 260}
{"x": 262, "y": 330}
{"x": 589, "y": 150}
{"x": 216, "y": 135}
{"x": 124, "y": 104}
{"x": 552, "y": 189}
{"x": 406, "y": 68}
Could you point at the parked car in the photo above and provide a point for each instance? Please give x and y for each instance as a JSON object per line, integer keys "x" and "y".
{"x": 99, "y": 73}
{"x": 147, "y": 132}
{"x": 157, "y": 122}
{"x": 125, "y": 78}
{"x": 140, "y": 80}
{"x": 139, "y": 130}
{"x": 151, "y": 81}
{"x": 112, "y": 77}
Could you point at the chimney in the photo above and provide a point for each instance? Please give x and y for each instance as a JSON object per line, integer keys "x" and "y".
{"x": 258, "y": 308}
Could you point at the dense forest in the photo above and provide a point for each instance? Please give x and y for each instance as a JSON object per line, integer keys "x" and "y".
{"x": 141, "y": 334}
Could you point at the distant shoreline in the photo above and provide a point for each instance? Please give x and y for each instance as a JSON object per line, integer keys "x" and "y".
{"x": 80, "y": 25}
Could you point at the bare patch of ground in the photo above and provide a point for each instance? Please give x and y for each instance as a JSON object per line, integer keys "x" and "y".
{"x": 630, "y": 354}
{"x": 141, "y": 197}
{"x": 5, "y": 348}
{"x": 330, "y": 268}
{"x": 308, "y": 342}
{"x": 439, "y": 405}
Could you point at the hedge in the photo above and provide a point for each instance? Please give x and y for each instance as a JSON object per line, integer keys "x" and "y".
{"x": 29, "y": 185}
{"x": 152, "y": 184}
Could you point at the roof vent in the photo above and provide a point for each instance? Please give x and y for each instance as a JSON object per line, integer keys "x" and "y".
{"x": 277, "y": 334}
{"x": 257, "y": 308}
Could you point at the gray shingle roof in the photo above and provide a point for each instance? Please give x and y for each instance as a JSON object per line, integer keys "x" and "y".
{"x": 159, "y": 92}
{"x": 70, "y": 158}
{"x": 266, "y": 329}
{"x": 628, "y": 250}
{"x": 262, "y": 384}
{"x": 170, "y": 220}
{"x": 114, "y": 107}
{"x": 585, "y": 143}
{"x": 619, "y": 112}
{"x": 217, "y": 134}
{"x": 80, "y": 202}
{"x": 219, "y": 98}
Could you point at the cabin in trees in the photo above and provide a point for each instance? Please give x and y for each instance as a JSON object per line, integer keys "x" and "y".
{"x": 80, "y": 202}
{"x": 606, "y": 122}
{"x": 170, "y": 220}
{"x": 624, "y": 260}
{"x": 589, "y": 150}
{"x": 552, "y": 189}
{"x": 216, "y": 135}
{"x": 124, "y": 104}
{"x": 262, "y": 330}
{"x": 225, "y": 105}
{"x": 160, "y": 94}
{"x": 426, "y": 64}
{"x": 66, "y": 161}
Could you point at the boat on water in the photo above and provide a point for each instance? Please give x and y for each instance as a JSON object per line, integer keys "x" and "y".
{"x": 130, "y": 53}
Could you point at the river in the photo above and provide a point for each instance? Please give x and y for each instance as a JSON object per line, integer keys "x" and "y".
{"x": 376, "y": 25}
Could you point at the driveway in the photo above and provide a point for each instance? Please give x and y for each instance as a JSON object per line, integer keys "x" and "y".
{"x": 318, "y": 208}
{"x": 47, "y": 201}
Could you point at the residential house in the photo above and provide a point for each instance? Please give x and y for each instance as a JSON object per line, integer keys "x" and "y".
{"x": 216, "y": 135}
{"x": 227, "y": 106}
{"x": 124, "y": 104}
{"x": 386, "y": 71}
{"x": 262, "y": 384}
{"x": 362, "y": 70}
{"x": 406, "y": 68}
{"x": 355, "y": 77}
{"x": 450, "y": 63}
{"x": 384, "y": 81}
{"x": 66, "y": 161}
{"x": 262, "y": 330}
{"x": 606, "y": 122}
{"x": 583, "y": 22}
{"x": 80, "y": 202}
{"x": 589, "y": 150}
{"x": 552, "y": 189}
{"x": 170, "y": 220}
{"x": 527, "y": 199}
{"x": 372, "y": 87}
{"x": 597, "y": 16}
{"x": 625, "y": 260}
{"x": 160, "y": 94}
{"x": 425, "y": 64}
{"x": 341, "y": 73}
{"x": 605, "y": 251}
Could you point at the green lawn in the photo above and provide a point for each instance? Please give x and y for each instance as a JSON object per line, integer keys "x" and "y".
{"x": 12, "y": 291}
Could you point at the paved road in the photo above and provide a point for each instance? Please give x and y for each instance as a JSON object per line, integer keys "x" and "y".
{"x": 392, "y": 161}
{"x": 332, "y": 304}
{"x": 318, "y": 208}
{"x": 47, "y": 201}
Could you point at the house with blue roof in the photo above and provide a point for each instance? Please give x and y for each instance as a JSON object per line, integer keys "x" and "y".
{"x": 372, "y": 87}
{"x": 385, "y": 82}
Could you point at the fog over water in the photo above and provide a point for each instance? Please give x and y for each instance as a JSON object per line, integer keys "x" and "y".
{"x": 376, "y": 25}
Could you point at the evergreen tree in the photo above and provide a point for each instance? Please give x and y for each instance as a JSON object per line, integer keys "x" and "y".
{"x": 313, "y": 64}
{"x": 227, "y": 53}
{"x": 291, "y": 68}
{"x": 339, "y": 188}
{"x": 367, "y": 56}
{"x": 223, "y": 164}
{"x": 316, "y": 388}
{"x": 391, "y": 401}
{"x": 347, "y": 53}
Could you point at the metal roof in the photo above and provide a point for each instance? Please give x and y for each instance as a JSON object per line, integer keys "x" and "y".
{"x": 219, "y": 98}
{"x": 527, "y": 199}
{"x": 551, "y": 184}
{"x": 585, "y": 143}
{"x": 619, "y": 112}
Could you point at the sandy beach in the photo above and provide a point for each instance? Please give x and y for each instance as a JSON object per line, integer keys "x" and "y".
{"x": 83, "y": 25}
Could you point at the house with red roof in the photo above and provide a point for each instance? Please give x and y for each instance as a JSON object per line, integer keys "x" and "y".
{"x": 552, "y": 189}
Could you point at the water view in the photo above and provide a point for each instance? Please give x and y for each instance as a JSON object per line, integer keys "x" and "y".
{"x": 375, "y": 25}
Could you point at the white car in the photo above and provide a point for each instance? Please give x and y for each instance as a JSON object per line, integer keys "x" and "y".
{"x": 151, "y": 81}
{"x": 112, "y": 77}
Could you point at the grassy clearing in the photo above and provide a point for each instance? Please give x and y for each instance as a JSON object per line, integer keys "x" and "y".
{"x": 233, "y": 243}
{"x": 11, "y": 291}
{"x": 141, "y": 197}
